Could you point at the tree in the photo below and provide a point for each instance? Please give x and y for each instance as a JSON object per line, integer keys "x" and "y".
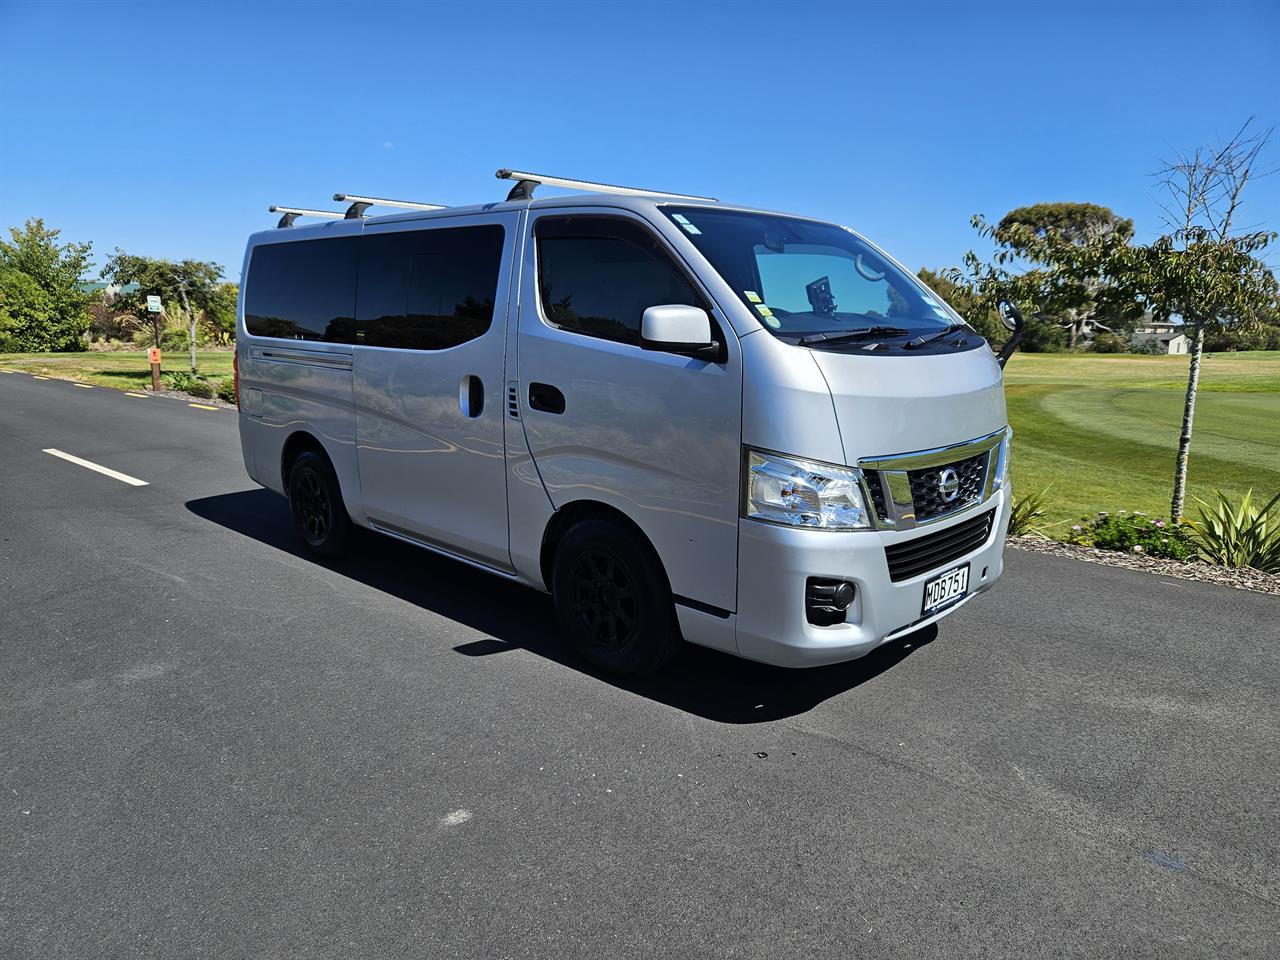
{"x": 43, "y": 304}
{"x": 191, "y": 284}
{"x": 1205, "y": 269}
{"x": 221, "y": 314}
{"x": 1055, "y": 257}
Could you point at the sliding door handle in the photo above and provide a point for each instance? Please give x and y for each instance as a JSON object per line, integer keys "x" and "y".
{"x": 545, "y": 397}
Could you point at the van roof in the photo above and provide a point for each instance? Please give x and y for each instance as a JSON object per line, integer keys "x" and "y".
{"x": 639, "y": 204}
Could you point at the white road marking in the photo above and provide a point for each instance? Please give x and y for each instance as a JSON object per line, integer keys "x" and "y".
{"x": 36, "y": 376}
{"x": 82, "y": 386}
{"x": 106, "y": 471}
{"x": 455, "y": 819}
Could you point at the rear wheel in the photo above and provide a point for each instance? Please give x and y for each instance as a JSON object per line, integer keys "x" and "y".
{"x": 315, "y": 499}
{"x": 613, "y": 600}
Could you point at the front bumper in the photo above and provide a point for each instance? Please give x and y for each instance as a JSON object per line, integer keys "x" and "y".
{"x": 774, "y": 563}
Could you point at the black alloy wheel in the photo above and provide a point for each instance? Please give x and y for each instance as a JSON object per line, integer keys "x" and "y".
{"x": 613, "y": 598}
{"x": 315, "y": 500}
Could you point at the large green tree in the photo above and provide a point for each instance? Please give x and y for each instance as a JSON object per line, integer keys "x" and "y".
{"x": 42, "y": 303}
{"x": 1205, "y": 269}
{"x": 1055, "y": 257}
{"x": 194, "y": 286}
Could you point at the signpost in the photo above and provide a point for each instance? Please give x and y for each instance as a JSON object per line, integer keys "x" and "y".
{"x": 153, "y": 353}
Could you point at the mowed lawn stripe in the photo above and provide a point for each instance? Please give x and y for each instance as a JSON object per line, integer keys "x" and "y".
{"x": 1104, "y": 430}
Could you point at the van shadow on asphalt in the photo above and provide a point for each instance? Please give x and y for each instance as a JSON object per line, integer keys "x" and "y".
{"x": 704, "y": 682}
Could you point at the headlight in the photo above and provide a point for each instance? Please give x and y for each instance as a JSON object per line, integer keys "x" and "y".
{"x": 804, "y": 493}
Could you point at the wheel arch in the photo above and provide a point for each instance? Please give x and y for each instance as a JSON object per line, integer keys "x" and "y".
{"x": 572, "y": 513}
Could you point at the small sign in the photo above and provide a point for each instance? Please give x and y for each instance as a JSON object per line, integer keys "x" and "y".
{"x": 153, "y": 355}
{"x": 153, "y": 304}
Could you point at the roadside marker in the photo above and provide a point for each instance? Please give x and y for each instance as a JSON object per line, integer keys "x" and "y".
{"x": 82, "y": 386}
{"x": 36, "y": 376}
{"x": 201, "y": 406}
{"x": 106, "y": 471}
{"x": 140, "y": 396}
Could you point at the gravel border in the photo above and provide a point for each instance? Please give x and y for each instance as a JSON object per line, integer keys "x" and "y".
{"x": 1244, "y": 579}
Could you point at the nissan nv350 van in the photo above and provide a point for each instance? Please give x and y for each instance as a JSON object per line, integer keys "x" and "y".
{"x": 685, "y": 420}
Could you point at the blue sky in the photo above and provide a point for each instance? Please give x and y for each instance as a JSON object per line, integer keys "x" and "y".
{"x": 167, "y": 129}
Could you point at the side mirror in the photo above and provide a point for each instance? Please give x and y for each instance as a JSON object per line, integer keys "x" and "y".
{"x": 677, "y": 328}
{"x": 1011, "y": 317}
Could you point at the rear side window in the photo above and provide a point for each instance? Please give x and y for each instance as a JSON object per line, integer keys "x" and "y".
{"x": 598, "y": 275}
{"x": 428, "y": 289}
{"x": 303, "y": 290}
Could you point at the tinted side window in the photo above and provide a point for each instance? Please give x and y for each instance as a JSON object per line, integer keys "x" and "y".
{"x": 303, "y": 290}
{"x": 597, "y": 275}
{"x": 428, "y": 289}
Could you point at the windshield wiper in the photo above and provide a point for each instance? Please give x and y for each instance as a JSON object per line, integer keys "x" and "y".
{"x": 862, "y": 334}
{"x": 921, "y": 341}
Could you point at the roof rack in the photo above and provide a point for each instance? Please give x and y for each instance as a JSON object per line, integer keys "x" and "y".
{"x": 360, "y": 204}
{"x": 293, "y": 213}
{"x": 526, "y": 182}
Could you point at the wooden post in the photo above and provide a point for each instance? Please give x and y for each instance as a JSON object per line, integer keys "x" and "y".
{"x": 153, "y": 355}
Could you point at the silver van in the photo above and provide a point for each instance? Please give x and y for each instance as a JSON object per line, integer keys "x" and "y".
{"x": 684, "y": 419}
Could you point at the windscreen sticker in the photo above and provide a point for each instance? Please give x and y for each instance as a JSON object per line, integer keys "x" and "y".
{"x": 752, "y": 296}
{"x": 773, "y": 322}
{"x": 681, "y": 219}
{"x": 763, "y": 310}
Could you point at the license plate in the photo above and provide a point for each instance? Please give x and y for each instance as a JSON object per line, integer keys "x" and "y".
{"x": 945, "y": 589}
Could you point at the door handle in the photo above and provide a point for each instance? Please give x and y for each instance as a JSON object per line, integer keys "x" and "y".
{"x": 471, "y": 396}
{"x": 545, "y": 397}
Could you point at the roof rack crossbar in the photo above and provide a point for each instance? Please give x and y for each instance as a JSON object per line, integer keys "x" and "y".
{"x": 360, "y": 204}
{"x": 526, "y": 182}
{"x": 291, "y": 214}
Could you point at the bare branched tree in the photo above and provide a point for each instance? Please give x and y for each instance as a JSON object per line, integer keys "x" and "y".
{"x": 1206, "y": 269}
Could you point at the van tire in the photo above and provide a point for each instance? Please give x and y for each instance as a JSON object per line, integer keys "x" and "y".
{"x": 315, "y": 500}
{"x": 613, "y": 600}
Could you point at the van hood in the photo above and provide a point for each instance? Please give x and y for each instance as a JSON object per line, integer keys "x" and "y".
{"x": 900, "y": 404}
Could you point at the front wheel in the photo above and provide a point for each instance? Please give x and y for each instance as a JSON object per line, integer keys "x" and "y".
{"x": 319, "y": 516}
{"x": 613, "y": 600}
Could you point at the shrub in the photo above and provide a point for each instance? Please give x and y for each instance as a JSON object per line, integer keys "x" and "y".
{"x": 227, "y": 391}
{"x": 1109, "y": 343}
{"x": 178, "y": 380}
{"x": 1239, "y": 536}
{"x": 185, "y": 382}
{"x": 1134, "y": 533}
{"x": 1026, "y": 511}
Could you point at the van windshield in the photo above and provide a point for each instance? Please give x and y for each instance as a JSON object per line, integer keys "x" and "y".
{"x": 812, "y": 282}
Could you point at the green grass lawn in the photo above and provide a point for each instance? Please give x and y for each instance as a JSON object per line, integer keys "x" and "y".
{"x": 1103, "y": 430}
{"x": 125, "y": 370}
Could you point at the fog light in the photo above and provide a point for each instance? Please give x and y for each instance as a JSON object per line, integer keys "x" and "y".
{"x": 826, "y": 600}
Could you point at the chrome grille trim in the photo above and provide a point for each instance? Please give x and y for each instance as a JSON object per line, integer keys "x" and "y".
{"x": 891, "y": 476}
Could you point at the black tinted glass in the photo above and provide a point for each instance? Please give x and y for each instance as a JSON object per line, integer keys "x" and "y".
{"x": 428, "y": 289}
{"x": 598, "y": 275}
{"x": 303, "y": 290}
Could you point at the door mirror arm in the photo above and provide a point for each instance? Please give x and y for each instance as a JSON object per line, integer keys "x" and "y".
{"x": 1011, "y": 317}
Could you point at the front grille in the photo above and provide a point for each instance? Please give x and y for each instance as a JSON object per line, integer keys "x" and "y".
{"x": 876, "y": 490}
{"x": 926, "y": 495}
{"x": 910, "y": 558}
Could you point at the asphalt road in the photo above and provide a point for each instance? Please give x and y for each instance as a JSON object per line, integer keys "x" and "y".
{"x": 213, "y": 746}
